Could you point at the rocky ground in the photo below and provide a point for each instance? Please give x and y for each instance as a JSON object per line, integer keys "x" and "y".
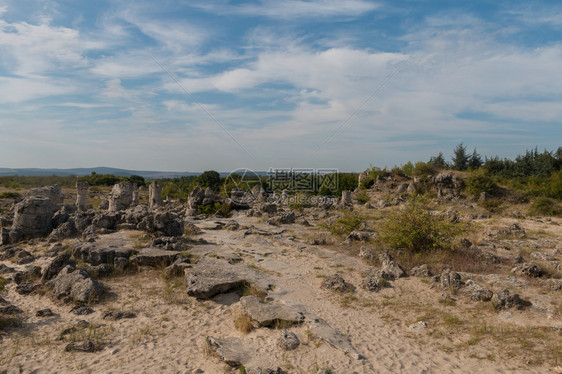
{"x": 270, "y": 290}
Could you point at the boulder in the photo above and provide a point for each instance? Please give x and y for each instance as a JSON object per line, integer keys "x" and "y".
{"x": 336, "y": 283}
{"x": 477, "y": 292}
{"x": 121, "y": 197}
{"x": 75, "y": 285}
{"x": 450, "y": 280}
{"x": 56, "y": 265}
{"x": 33, "y": 217}
{"x": 229, "y": 350}
{"x": 530, "y": 269}
{"x": 53, "y": 193}
{"x": 391, "y": 268}
{"x": 505, "y": 300}
{"x": 95, "y": 255}
{"x": 288, "y": 341}
{"x": 420, "y": 271}
{"x": 155, "y": 257}
{"x": 268, "y": 314}
{"x": 154, "y": 196}
{"x": 320, "y": 329}
{"x": 84, "y": 346}
{"x": 210, "y": 277}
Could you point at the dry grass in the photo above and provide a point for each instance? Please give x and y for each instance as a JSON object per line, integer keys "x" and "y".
{"x": 243, "y": 322}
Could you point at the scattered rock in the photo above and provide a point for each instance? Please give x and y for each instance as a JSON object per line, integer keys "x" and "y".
{"x": 26, "y": 287}
{"x": 268, "y": 314}
{"x": 530, "y": 269}
{"x": 447, "y": 299}
{"x": 322, "y": 330}
{"x": 420, "y": 325}
{"x": 55, "y": 266}
{"x": 367, "y": 253}
{"x": 84, "y": 346}
{"x": 477, "y": 292}
{"x": 450, "y": 280}
{"x": 44, "y": 313}
{"x": 115, "y": 316}
{"x": 75, "y": 285}
{"x": 288, "y": 341}
{"x": 374, "y": 283}
{"x": 155, "y": 257}
{"x": 33, "y": 216}
{"x": 505, "y": 300}
{"x": 336, "y": 283}
{"x": 81, "y": 310}
{"x": 420, "y": 271}
{"x": 98, "y": 271}
{"x": 390, "y": 267}
{"x": 210, "y": 277}
{"x": 230, "y": 350}
{"x": 359, "y": 236}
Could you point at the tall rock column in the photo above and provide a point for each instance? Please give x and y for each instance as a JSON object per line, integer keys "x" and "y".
{"x": 121, "y": 196}
{"x": 154, "y": 195}
{"x": 81, "y": 194}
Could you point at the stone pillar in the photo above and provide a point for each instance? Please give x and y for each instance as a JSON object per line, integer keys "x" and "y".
{"x": 135, "y": 200}
{"x": 81, "y": 194}
{"x": 120, "y": 197}
{"x": 154, "y": 195}
{"x": 346, "y": 198}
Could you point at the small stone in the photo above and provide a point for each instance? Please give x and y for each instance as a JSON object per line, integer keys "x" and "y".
{"x": 420, "y": 325}
{"x": 337, "y": 283}
{"x": 81, "y": 310}
{"x": 289, "y": 341}
{"x": 85, "y": 346}
{"x": 44, "y": 313}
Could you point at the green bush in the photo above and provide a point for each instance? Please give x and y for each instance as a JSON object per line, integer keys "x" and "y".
{"x": 480, "y": 181}
{"x": 362, "y": 197}
{"x": 343, "y": 226}
{"x": 424, "y": 169}
{"x": 543, "y": 206}
{"x": 2, "y": 283}
{"x": 209, "y": 209}
{"x": 9, "y": 195}
{"x": 417, "y": 230}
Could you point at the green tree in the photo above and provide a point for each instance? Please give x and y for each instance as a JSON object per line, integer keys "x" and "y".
{"x": 439, "y": 161}
{"x": 474, "y": 161}
{"x": 460, "y": 159}
{"x": 137, "y": 179}
{"x": 209, "y": 178}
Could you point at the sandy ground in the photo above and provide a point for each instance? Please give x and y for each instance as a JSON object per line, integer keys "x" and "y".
{"x": 168, "y": 335}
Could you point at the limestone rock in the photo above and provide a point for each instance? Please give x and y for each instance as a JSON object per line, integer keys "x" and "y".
{"x": 155, "y": 257}
{"x": 450, "y": 280}
{"x": 530, "y": 269}
{"x": 322, "y": 330}
{"x": 476, "y": 292}
{"x": 505, "y": 300}
{"x": 75, "y": 285}
{"x": 81, "y": 194}
{"x": 56, "y": 265}
{"x": 121, "y": 196}
{"x": 229, "y": 350}
{"x": 53, "y": 193}
{"x": 84, "y": 346}
{"x": 288, "y": 341}
{"x": 420, "y": 271}
{"x": 336, "y": 283}
{"x": 268, "y": 314}
{"x": 154, "y": 196}
{"x": 33, "y": 216}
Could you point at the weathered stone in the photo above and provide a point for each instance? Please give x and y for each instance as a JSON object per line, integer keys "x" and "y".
{"x": 359, "y": 236}
{"x": 44, "y": 313}
{"x": 420, "y": 325}
{"x": 178, "y": 268}
{"x": 210, "y": 277}
{"x": 82, "y": 194}
{"x": 168, "y": 224}
{"x": 154, "y": 196}
{"x": 155, "y": 257}
{"x": 451, "y": 280}
{"x": 121, "y": 196}
{"x": 97, "y": 254}
{"x": 269, "y": 209}
{"x": 476, "y": 292}
{"x": 336, "y": 283}
{"x": 346, "y": 198}
{"x": 268, "y": 314}
{"x": 53, "y": 193}
{"x": 76, "y": 285}
{"x": 229, "y": 350}
{"x": 84, "y": 346}
{"x": 106, "y": 220}
{"x": 81, "y": 310}
{"x": 9, "y": 309}
{"x": 367, "y": 253}
{"x": 231, "y": 257}
{"x": 420, "y": 271}
{"x": 98, "y": 271}
{"x": 33, "y": 217}
{"x": 283, "y": 218}
{"x": 322, "y": 330}
{"x": 117, "y": 315}
{"x": 391, "y": 267}
{"x": 528, "y": 269}
{"x": 120, "y": 263}
{"x": 56, "y": 265}
{"x": 505, "y": 300}
{"x": 29, "y": 273}
{"x": 375, "y": 282}
{"x": 64, "y": 231}
{"x": 26, "y": 287}
{"x": 288, "y": 341}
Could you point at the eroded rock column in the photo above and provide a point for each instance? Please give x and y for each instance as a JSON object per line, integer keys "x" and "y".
{"x": 81, "y": 194}
{"x": 154, "y": 195}
{"x": 121, "y": 196}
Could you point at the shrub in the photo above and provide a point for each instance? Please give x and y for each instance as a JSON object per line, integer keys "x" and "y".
{"x": 2, "y": 283}
{"x": 544, "y": 206}
{"x": 480, "y": 181}
{"x": 346, "y": 224}
{"x": 424, "y": 169}
{"x": 362, "y": 197}
{"x": 209, "y": 209}
{"x": 417, "y": 230}
{"x": 9, "y": 195}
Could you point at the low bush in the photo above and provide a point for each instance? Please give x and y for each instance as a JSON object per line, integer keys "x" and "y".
{"x": 480, "y": 181}
{"x": 9, "y": 195}
{"x": 417, "y": 230}
{"x": 543, "y": 206}
{"x": 343, "y": 226}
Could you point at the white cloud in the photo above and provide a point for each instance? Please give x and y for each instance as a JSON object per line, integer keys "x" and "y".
{"x": 15, "y": 90}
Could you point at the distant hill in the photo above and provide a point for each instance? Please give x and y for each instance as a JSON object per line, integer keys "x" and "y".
{"x": 147, "y": 174}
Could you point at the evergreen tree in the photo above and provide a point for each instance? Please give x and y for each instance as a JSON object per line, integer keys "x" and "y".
{"x": 474, "y": 161}
{"x": 460, "y": 159}
{"x": 439, "y": 161}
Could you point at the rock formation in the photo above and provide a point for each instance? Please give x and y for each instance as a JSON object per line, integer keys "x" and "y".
{"x": 154, "y": 196}
{"x": 81, "y": 194}
{"x": 121, "y": 196}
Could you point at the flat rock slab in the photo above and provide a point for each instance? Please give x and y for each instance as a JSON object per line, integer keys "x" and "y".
{"x": 210, "y": 277}
{"x": 322, "y": 330}
{"x": 155, "y": 257}
{"x": 230, "y": 350}
{"x": 265, "y": 314}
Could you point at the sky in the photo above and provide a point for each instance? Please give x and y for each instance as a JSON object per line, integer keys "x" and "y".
{"x": 220, "y": 85}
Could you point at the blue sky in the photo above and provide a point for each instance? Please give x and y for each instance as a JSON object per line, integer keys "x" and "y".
{"x": 219, "y": 84}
